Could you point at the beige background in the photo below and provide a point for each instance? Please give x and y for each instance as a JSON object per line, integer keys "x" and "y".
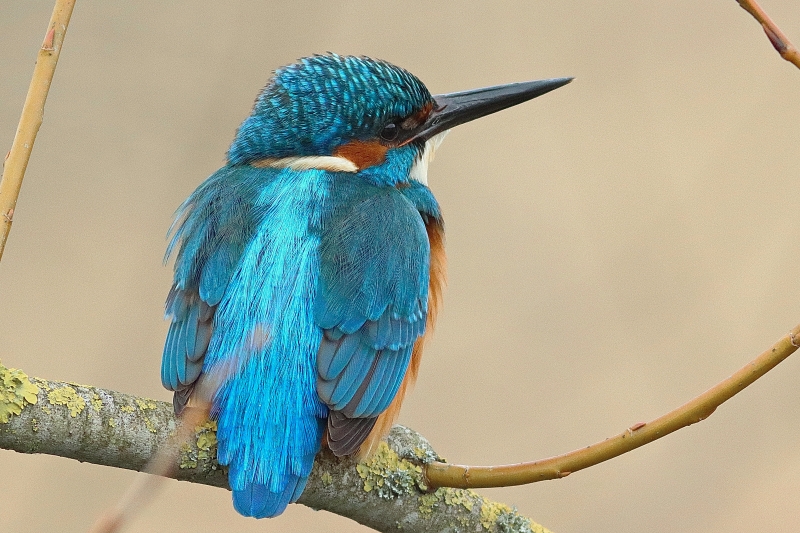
{"x": 615, "y": 247}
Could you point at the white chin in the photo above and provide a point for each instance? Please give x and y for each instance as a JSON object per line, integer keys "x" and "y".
{"x": 419, "y": 171}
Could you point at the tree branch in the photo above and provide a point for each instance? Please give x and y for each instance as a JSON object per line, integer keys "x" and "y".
{"x": 387, "y": 493}
{"x": 390, "y": 492}
{"x": 779, "y": 41}
{"x": 32, "y": 114}
{"x": 696, "y": 410}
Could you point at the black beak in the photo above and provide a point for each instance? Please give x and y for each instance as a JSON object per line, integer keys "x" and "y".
{"x": 457, "y": 108}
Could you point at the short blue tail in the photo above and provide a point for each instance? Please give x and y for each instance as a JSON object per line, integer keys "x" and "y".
{"x": 259, "y": 502}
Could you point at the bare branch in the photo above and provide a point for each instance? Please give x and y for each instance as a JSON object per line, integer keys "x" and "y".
{"x": 781, "y": 43}
{"x": 698, "y": 409}
{"x": 389, "y": 493}
{"x": 32, "y": 114}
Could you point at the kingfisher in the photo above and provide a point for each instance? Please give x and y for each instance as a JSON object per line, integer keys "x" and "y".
{"x": 310, "y": 267}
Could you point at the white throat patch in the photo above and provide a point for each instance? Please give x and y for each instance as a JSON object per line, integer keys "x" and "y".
{"x": 419, "y": 170}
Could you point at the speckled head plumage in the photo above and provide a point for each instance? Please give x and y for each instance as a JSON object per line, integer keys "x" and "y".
{"x": 312, "y": 107}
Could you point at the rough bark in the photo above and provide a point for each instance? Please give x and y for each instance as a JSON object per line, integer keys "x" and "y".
{"x": 104, "y": 427}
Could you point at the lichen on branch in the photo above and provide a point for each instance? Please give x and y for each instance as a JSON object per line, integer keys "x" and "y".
{"x": 16, "y": 391}
{"x": 387, "y": 492}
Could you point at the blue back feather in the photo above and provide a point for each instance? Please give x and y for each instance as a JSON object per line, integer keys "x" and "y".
{"x": 269, "y": 417}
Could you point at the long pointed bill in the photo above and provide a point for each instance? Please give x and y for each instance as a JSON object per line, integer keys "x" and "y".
{"x": 457, "y": 108}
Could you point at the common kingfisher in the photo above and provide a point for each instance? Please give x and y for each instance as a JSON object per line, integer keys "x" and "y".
{"x": 309, "y": 268}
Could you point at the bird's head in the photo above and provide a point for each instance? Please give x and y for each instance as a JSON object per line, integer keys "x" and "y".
{"x": 356, "y": 114}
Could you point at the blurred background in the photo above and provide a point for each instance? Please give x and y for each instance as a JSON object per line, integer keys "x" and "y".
{"x": 616, "y": 247}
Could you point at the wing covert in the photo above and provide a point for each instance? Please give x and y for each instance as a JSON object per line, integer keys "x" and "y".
{"x": 372, "y": 305}
{"x": 211, "y": 230}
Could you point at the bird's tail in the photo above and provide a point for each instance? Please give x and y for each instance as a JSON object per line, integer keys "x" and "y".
{"x": 258, "y": 501}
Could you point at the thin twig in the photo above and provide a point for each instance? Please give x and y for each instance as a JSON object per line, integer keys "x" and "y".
{"x": 161, "y": 466}
{"x": 781, "y": 43}
{"x": 32, "y": 113}
{"x": 447, "y": 475}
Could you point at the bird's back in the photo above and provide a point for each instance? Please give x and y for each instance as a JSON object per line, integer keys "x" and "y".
{"x": 315, "y": 287}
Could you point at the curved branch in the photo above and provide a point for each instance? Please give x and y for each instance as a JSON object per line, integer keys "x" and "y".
{"x": 391, "y": 492}
{"x": 445, "y": 475}
{"x": 32, "y": 113}
{"x": 104, "y": 427}
{"x": 779, "y": 41}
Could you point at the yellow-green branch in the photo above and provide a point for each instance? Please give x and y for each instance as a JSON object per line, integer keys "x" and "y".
{"x": 448, "y": 475}
{"x": 32, "y": 114}
{"x": 781, "y": 43}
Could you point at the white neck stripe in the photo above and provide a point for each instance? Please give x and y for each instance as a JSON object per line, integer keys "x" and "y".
{"x": 311, "y": 162}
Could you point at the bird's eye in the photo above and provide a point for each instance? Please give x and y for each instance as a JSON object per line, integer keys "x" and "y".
{"x": 389, "y": 132}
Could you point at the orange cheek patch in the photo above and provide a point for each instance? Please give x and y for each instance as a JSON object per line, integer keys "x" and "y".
{"x": 422, "y": 115}
{"x": 418, "y": 118}
{"x": 362, "y": 154}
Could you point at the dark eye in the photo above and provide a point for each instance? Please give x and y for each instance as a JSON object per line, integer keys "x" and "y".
{"x": 389, "y": 132}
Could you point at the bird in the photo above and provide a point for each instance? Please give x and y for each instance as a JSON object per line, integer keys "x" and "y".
{"x": 310, "y": 267}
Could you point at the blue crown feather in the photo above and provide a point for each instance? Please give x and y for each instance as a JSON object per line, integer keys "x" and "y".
{"x": 321, "y": 102}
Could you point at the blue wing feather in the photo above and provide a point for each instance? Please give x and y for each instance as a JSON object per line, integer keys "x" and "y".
{"x": 338, "y": 392}
{"x": 190, "y": 334}
{"x": 335, "y": 354}
{"x": 179, "y": 352}
{"x": 210, "y": 232}
{"x": 203, "y": 337}
{"x": 372, "y": 299}
{"x": 381, "y": 376}
{"x": 169, "y": 372}
{"x": 382, "y": 389}
{"x": 216, "y": 274}
{"x": 352, "y": 324}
